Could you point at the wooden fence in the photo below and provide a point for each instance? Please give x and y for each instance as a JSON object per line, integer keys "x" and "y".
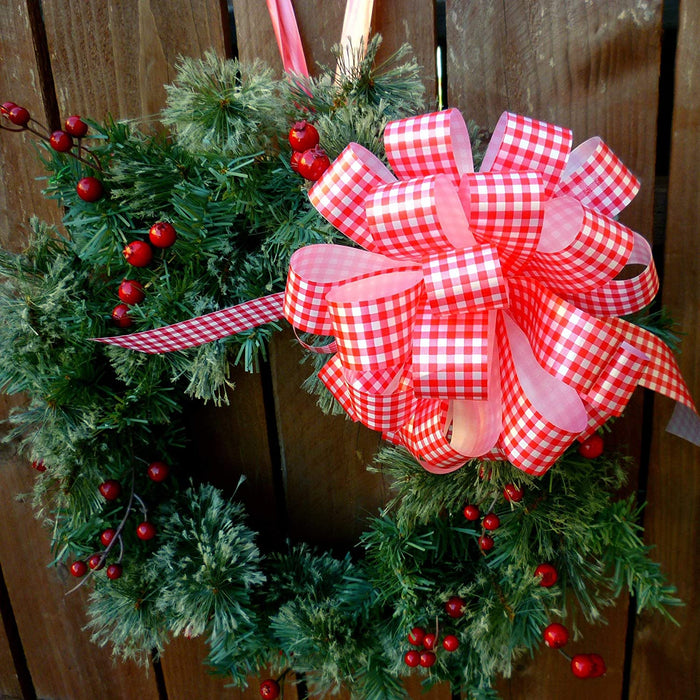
{"x": 628, "y": 70}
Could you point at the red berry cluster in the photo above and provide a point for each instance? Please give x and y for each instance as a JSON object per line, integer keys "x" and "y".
{"x": 582, "y": 665}
{"x": 139, "y": 254}
{"x": 308, "y": 158}
{"x": 418, "y": 637}
{"x": 89, "y": 188}
{"x": 110, "y": 490}
{"x": 491, "y": 522}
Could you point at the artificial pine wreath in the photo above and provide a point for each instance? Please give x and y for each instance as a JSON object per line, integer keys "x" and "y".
{"x": 461, "y": 573}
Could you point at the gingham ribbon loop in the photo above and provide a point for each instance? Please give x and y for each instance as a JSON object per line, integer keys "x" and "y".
{"x": 414, "y": 218}
{"x": 522, "y": 143}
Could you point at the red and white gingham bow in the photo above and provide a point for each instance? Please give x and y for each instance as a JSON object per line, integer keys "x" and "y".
{"x": 480, "y": 320}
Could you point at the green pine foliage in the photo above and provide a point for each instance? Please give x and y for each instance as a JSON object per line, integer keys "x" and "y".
{"x": 94, "y": 413}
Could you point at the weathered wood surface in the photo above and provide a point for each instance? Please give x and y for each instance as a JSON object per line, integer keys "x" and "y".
{"x": 665, "y": 658}
{"x": 590, "y": 66}
{"x": 21, "y": 82}
{"x": 115, "y": 57}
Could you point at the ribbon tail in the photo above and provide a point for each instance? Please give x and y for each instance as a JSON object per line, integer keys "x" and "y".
{"x": 203, "y": 329}
{"x": 284, "y": 22}
{"x": 663, "y": 376}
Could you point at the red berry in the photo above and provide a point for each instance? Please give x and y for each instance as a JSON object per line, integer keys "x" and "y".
{"x": 555, "y": 635}
{"x": 454, "y": 607}
{"x": 146, "y": 531}
{"x": 548, "y": 573}
{"x": 269, "y": 689}
{"x": 427, "y": 659}
{"x": 39, "y": 465}
{"x": 162, "y": 234}
{"x": 591, "y": 447}
{"x": 412, "y": 658}
{"x": 313, "y": 163}
{"x": 120, "y": 316}
{"x": 110, "y": 489}
{"x": 75, "y": 126}
{"x": 78, "y": 568}
{"x": 485, "y": 543}
{"x": 138, "y": 253}
{"x": 114, "y": 571}
{"x": 471, "y": 512}
{"x": 89, "y": 189}
{"x": 429, "y": 641}
{"x": 96, "y": 561}
{"x": 5, "y": 108}
{"x": 19, "y": 116}
{"x": 107, "y": 536}
{"x": 512, "y": 493}
{"x": 158, "y": 471}
{"x": 131, "y": 292}
{"x": 416, "y": 636}
{"x": 491, "y": 521}
{"x": 599, "y": 668}
{"x": 61, "y": 141}
{"x": 294, "y": 160}
{"x": 303, "y": 136}
{"x": 581, "y": 666}
{"x": 450, "y": 642}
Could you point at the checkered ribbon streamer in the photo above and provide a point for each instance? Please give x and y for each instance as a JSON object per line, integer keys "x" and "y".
{"x": 203, "y": 329}
{"x": 480, "y": 318}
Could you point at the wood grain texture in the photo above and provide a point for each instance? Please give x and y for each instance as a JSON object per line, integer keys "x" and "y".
{"x": 62, "y": 661}
{"x": 115, "y": 57}
{"x": 20, "y": 191}
{"x": 398, "y": 22}
{"x": 183, "y": 684}
{"x": 329, "y": 492}
{"x": 230, "y": 442}
{"x": 665, "y": 660}
{"x": 9, "y": 682}
{"x": 590, "y": 66}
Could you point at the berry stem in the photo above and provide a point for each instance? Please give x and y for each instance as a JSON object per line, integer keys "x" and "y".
{"x": 95, "y": 165}
{"x": 144, "y": 510}
{"x": 117, "y": 536}
{"x": 563, "y": 653}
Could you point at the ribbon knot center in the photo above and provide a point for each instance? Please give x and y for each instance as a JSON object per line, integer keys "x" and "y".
{"x": 465, "y": 281}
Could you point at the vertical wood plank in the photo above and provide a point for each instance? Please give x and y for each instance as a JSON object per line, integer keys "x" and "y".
{"x": 665, "y": 660}
{"x": 9, "y": 681}
{"x": 398, "y": 22}
{"x": 20, "y": 192}
{"x": 590, "y": 66}
{"x": 62, "y": 661}
{"x": 328, "y": 489}
{"x": 230, "y": 442}
{"x": 115, "y": 57}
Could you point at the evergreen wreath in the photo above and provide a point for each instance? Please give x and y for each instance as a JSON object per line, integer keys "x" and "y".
{"x": 461, "y": 573}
